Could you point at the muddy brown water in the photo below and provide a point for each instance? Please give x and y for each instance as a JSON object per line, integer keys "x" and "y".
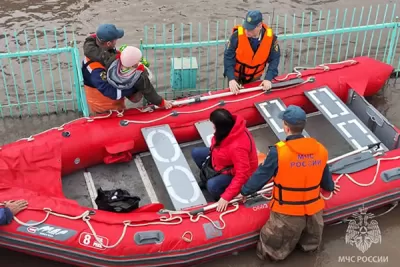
{"x": 85, "y": 15}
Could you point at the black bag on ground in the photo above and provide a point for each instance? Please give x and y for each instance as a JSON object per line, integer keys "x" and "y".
{"x": 118, "y": 200}
{"x": 207, "y": 171}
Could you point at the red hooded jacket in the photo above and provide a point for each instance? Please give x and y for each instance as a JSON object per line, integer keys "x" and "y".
{"x": 237, "y": 149}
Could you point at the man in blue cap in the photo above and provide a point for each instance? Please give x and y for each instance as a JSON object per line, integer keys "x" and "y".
{"x": 250, "y": 47}
{"x": 100, "y": 52}
{"x": 100, "y": 47}
{"x": 299, "y": 168}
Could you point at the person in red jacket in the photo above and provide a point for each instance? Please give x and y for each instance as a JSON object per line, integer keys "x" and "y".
{"x": 231, "y": 145}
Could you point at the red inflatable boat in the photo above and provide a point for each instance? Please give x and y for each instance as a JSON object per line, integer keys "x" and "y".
{"x": 189, "y": 230}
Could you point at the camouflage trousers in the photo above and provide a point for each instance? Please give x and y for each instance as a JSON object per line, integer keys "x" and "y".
{"x": 282, "y": 233}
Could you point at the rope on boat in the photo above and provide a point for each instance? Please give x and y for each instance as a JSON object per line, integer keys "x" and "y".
{"x": 324, "y": 66}
{"x": 360, "y": 184}
{"x": 309, "y": 79}
{"x": 350, "y": 178}
{"x": 174, "y": 217}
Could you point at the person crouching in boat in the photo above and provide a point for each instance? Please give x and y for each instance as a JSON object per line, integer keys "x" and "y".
{"x": 233, "y": 157}
{"x": 10, "y": 209}
{"x": 100, "y": 52}
{"x": 250, "y": 47}
{"x": 127, "y": 73}
{"x": 299, "y": 167}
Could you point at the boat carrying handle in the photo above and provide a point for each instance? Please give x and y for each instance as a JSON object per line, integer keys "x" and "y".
{"x": 148, "y": 237}
{"x": 391, "y": 175}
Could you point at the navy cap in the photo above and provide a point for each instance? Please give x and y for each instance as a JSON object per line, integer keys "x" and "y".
{"x": 293, "y": 115}
{"x": 108, "y": 32}
{"x": 253, "y": 18}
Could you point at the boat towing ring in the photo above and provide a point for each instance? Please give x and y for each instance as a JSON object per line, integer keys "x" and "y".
{"x": 187, "y": 239}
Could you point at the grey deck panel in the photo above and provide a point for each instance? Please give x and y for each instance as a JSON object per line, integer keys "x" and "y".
{"x": 342, "y": 118}
{"x": 175, "y": 172}
{"x": 206, "y": 131}
{"x": 269, "y": 110}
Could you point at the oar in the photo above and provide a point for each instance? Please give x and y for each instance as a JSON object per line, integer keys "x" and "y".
{"x": 268, "y": 187}
{"x": 242, "y": 91}
{"x": 351, "y": 153}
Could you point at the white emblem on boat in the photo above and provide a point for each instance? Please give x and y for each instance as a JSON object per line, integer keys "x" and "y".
{"x": 47, "y": 230}
{"x": 362, "y": 232}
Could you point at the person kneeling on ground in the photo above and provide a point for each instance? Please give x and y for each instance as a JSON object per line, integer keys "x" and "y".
{"x": 11, "y": 208}
{"x": 100, "y": 54}
{"x": 231, "y": 146}
{"x": 296, "y": 207}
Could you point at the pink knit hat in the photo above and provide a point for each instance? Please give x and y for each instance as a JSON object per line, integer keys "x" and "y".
{"x": 130, "y": 56}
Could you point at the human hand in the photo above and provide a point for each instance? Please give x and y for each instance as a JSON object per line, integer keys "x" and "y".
{"x": 267, "y": 85}
{"x": 234, "y": 86}
{"x": 16, "y": 206}
{"x": 241, "y": 197}
{"x": 167, "y": 104}
{"x": 222, "y": 205}
{"x": 336, "y": 188}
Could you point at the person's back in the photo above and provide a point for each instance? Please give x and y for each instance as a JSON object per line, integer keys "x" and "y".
{"x": 305, "y": 159}
{"x": 299, "y": 168}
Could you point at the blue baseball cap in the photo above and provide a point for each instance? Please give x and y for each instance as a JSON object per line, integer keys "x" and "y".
{"x": 108, "y": 32}
{"x": 253, "y": 18}
{"x": 293, "y": 115}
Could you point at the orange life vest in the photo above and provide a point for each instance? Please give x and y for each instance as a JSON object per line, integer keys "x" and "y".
{"x": 250, "y": 65}
{"x": 97, "y": 102}
{"x": 296, "y": 190}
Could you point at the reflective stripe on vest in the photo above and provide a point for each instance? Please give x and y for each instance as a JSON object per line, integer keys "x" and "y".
{"x": 250, "y": 65}
{"x": 92, "y": 65}
{"x": 296, "y": 188}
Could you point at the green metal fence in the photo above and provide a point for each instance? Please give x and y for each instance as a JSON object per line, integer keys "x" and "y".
{"x": 188, "y": 58}
{"x": 40, "y": 73}
{"x": 41, "y": 69}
